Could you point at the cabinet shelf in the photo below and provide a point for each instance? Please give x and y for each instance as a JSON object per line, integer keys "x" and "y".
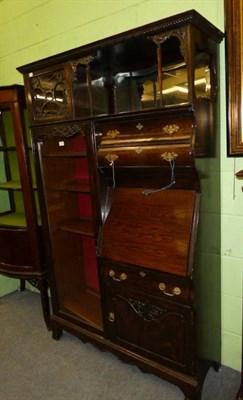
{"x": 82, "y": 226}
{"x": 74, "y": 186}
{"x": 14, "y": 185}
{"x": 16, "y": 220}
{"x": 7, "y": 148}
{"x": 65, "y": 154}
{"x": 10, "y": 185}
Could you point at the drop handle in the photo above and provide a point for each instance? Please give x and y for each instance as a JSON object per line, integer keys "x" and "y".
{"x": 98, "y": 134}
{"x": 175, "y": 292}
{"x": 122, "y": 276}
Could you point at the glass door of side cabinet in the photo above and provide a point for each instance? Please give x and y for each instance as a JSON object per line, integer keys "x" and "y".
{"x": 66, "y": 180}
{"x": 12, "y": 210}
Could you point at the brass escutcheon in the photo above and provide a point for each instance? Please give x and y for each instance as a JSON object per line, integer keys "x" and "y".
{"x": 111, "y": 158}
{"x": 170, "y": 129}
{"x": 113, "y": 133}
{"x": 168, "y": 156}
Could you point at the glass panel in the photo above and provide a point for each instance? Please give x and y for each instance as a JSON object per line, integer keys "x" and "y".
{"x": 4, "y": 196}
{"x": 100, "y": 102}
{"x": 90, "y": 88}
{"x": 135, "y": 72}
{"x": 139, "y": 85}
{"x": 69, "y": 206}
{"x": 136, "y": 90}
{"x": 174, "y": 84}
{"x": 202, "y": 77}
{"x": 8, "y": 128}
{"x": 82, "y": 104}
{"x": 49, "y": 95}
{"x": 19, "y": 202}
{"x": 14, "y": 167}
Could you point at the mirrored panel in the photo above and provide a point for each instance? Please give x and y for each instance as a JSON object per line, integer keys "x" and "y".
{"x": 202, "y": 76}
{"x": 90, "y": 86}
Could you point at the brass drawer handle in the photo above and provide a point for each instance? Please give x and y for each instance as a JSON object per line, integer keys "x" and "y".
{"x": 122, "y": 277}
{"x": 176, "y": 291}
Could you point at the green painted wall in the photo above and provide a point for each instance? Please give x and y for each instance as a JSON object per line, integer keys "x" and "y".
{"x": 35, "y": 29}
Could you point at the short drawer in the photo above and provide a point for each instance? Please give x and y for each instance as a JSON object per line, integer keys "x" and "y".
{"x": 151, "y": 282}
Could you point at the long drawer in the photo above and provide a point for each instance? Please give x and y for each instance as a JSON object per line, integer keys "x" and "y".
{"x": 170, "y": 287}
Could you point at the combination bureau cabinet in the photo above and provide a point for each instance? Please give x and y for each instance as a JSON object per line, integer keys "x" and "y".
{"x": 116, "y": 127}
{"x": 21, "y": 242}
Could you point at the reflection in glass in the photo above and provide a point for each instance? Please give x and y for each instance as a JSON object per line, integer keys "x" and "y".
{"x": 90, "y": 91}
{"x": 174, "y": 84}
{"x": 136, "y": 90}
{"x": 163, "y": 83}
{"x": 202, "y": 82}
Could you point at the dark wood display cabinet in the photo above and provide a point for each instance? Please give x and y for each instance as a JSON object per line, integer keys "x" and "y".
{"x": 21, "y": 242}
{"x": 116, "y": 127}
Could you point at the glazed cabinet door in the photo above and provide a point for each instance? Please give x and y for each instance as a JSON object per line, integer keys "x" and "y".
{"x": 49, "y": 94}
{"x": 151, "y": 326}
{"x": 71, "y": 220}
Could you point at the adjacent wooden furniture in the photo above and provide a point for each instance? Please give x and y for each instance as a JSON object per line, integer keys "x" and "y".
{"x": 21, "y": 243}
{"x": 234, "y": 75}
{"x": 116, "y": 127}
{"x": 239, "y": 395}
{"x": 234, "y": 79}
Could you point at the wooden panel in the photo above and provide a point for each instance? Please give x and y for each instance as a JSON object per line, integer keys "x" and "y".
{"x": 159, "y": 328}
{"x": 15, "y": 250}
{"x": 152, "y": 231}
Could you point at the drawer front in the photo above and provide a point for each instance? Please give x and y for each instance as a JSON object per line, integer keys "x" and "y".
{"x": 158, "y": 129}
{"x": 153, "y": 155}
{"x": 154, "y": 283}
{"x": 148, "y": 142}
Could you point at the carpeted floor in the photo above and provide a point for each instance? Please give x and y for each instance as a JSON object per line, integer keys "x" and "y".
{"x": 33, "y": 366}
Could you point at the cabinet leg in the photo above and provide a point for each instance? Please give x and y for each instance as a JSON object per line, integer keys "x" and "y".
{"x": 193, "y": 394}
{"x": 239, "y": 395}
{"x": 194, "y": 397}
{"x": 216, "y": 366}
{"x": 45, "y": 302}
{"x": 56, "y": 333}
{"x": 41, "y": 283}
{"x": 22, "y": 284}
